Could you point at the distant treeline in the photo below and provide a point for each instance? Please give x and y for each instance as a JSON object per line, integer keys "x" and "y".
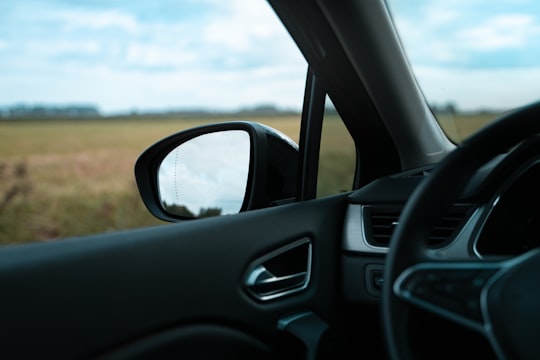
{"x": 45, "y": 112}
{"x": 50, "y": 112}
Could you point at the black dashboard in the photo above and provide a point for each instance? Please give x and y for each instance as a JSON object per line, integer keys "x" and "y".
{"x": 497, "y": 215}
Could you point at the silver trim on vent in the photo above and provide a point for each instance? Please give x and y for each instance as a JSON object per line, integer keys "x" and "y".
{"x": 355, "y": 237}
{"x": 354, "y": 234}
{"x": 461, "y": 247}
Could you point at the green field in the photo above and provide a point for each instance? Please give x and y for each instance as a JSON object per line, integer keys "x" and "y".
{"x": 459, "y": 126}
{"x": 67, "y": 178}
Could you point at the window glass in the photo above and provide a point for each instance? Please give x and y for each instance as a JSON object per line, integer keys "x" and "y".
{"x": 337, "y": 155}
{"x": 86, "y": 86}
{"x": 473, "y": 59}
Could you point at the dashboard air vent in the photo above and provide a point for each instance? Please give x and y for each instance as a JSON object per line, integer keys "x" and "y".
{"x": 380, "y": 222}
{"x": 379, "y": 225}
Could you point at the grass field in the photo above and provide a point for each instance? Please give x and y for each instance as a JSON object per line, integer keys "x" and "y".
{"x": 459, "y": 126}
{"x": 67, "y": 178}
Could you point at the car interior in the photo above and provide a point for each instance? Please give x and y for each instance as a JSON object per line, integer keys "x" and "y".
{"x": 431, "y": 254}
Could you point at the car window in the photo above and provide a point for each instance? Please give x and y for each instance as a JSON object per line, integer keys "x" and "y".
{"x": 337, "y": 161}
{"x": 87, "y": 86}
{"x": 473, "y": 59}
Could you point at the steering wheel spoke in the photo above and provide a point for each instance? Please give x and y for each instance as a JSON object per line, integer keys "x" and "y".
{"x": 451, "y": 290}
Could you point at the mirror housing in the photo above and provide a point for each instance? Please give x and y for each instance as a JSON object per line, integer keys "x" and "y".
{"x": 258, "y": 162}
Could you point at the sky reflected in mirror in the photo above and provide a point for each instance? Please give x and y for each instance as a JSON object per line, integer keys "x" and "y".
{"x": 207, "y": 172}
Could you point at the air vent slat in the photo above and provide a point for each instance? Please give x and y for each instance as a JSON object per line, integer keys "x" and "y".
{"x": 380, "y": 222}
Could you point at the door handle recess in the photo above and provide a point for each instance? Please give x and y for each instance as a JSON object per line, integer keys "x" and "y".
{"x": 263, "y": 282}
{"x": 281, "y": 272}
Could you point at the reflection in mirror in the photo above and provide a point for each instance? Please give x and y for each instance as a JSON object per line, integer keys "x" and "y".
{"x": 207, "y": 175}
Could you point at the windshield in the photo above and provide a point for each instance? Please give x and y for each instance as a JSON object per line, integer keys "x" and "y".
{"x": 472, "y": 59}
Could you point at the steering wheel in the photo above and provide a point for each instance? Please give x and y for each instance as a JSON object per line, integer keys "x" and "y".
{"x": 498, "y": 299}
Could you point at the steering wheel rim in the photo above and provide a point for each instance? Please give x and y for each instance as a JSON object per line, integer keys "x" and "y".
{"x": 408, "y": 246}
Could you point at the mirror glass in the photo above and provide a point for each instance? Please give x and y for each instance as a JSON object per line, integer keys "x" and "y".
{"x": 207, "y": 175}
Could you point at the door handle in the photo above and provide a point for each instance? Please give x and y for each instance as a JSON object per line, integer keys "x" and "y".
{"x": 263, "y": 282}
{"x": 281, "y": 272}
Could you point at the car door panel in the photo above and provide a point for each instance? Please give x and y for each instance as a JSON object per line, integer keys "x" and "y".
{"x": 163, "y": 280}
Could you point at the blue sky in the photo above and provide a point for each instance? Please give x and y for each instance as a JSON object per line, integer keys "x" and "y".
{"x": 152, "y": 55}
{"x": 131, "y": 55}
{"x": 479, "y": 54}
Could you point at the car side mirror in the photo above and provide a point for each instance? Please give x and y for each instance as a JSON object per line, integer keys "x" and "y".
{"x": 217, "y": 169}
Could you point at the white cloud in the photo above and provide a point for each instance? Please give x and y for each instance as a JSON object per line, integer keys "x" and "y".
{"x": 451, "y": 31}
{"x": 438, "y": 14}
{"x": 134, "y": 89}
{"x": 244, "y": 25}
{"x": 473, "y": 89}
{"x": 475, "y": 54}
{"x": 123, "y": 57}
{"x": 502, "y": 31}
{"x": 59, "y": 47}
{"x": 156, "y": 55}
{"x": 206, "y": 172}
{"x": 74, "y": 19}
